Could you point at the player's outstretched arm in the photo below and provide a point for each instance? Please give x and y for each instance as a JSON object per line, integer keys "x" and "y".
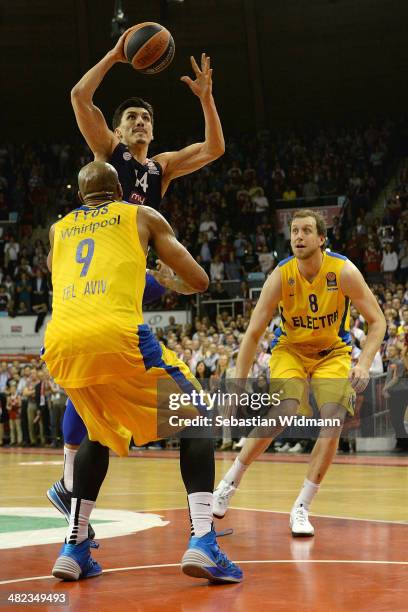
{"x": 354, "y": 286}
{"x": 154, "y": 229}
{"x": 195, "y": 156}
{"x": 262, "y": 314}
{"x": 100, "y": 139}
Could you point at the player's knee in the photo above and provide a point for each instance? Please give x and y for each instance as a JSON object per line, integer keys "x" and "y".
{"x": 288, "y": 407}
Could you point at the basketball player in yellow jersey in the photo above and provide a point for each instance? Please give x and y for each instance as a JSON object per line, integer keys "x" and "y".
{"x": 98, "y": 349}
{"x": 313, "y": 289}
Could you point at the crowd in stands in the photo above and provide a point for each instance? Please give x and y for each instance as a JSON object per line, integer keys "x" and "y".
{"x": 225, "y": 215}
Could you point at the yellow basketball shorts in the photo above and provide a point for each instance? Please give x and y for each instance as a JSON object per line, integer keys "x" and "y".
{"x": 129, "y": 407}
{"x": 294, "y": 375}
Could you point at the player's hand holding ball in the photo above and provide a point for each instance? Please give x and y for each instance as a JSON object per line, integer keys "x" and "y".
{"x": 118, "y": 52}
{"x": 148, "y": 47}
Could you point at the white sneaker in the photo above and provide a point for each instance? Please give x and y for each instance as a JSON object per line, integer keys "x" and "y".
{"x": 283, "y": 449}
{"x": 299, "y": 522}
{"x": 298, "y": 448}
{"x": 238, "y": 445}
{"x": 221, "y": 498}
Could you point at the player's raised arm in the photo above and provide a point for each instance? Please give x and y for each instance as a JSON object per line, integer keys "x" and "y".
{"x": 262, "y": 314}
{"x": 195, "y": 156}
{"x": 354, "y": 286}
{"x": 100, "y": 139}
{"x": 153, "y": 228}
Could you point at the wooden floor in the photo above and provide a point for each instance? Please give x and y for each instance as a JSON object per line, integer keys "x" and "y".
{"x": 358, "y": 559}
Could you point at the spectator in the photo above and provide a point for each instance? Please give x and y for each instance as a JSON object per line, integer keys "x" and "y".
{"x": 33, "y": 412}
{"x": 218, "y": 383}
{"x": 250, "y": 260}
{"x": 403, "y": 261}
{"x": 289, "y": 195}
{"x": 389, "y": 263}
{"x": 208, "y": 226}
{"x": 233, "y": 269}
{"x": 14, "y": 413}
{"x": 354, "y": 250}
{"x": 5, "y": 300}
{"x": 203, "y": 373}
{"x": 310, "y": 190}
{"x": 23, "y": 290}
{"x": 372, "y": 261}
{"x": 39, "y": 298}
{"x": 42, "y": 399}
{"x": 11, "y": 251}
{"x": 57, "y": 408}
{"x": 211, "y": 357}
{"x": 240, "y": 244}
{"x": 261, "y": 204}
{"x": 396, "y": 391}
{"x": 266, "y": 260}
{"x": 217, "y": 272}
{"x": 219, "y": 293}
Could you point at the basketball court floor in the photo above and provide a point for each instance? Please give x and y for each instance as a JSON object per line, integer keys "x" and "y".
{"x": 358, "y": 559}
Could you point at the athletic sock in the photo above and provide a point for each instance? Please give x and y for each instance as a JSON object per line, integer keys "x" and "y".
{"x": 235, "y": 473}
{"x": 201, "y": 517}
{"x": 78, "y": 522}
{"x": 69, "y": 457}
{"x": 306, "y": 495}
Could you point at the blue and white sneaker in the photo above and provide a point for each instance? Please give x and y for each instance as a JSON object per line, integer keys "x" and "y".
{"x": 60, "y": 497}
{"x": 75, "y": 562}
{"x": 204, "y": 559}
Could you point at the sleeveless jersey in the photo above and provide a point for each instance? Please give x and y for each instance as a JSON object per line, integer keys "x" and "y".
{"x": 141, "y": 183}
{"x": 98, "y": 277}
{"x": 314, "y": 316}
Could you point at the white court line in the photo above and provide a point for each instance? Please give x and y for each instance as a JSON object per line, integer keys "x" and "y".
{"x": 342, "y": 518}
{"x": 259, "y": 561}
{"x": 325, "y": 490}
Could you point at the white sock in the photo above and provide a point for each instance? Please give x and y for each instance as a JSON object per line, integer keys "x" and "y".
{"x": 306, "y": 495}
{"x": 235, "y": 473}
{"x": 201, "y": 517}
{"x": 78, "y": 522}
{"x": 69, "y": 457}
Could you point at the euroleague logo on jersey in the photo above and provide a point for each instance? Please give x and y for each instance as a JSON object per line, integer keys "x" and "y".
{"x": 127, "y": 156}
{"x": 151, "y": 167}
{"x": 331, "y": 281}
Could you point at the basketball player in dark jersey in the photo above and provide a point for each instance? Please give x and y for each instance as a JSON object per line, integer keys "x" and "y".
{"x": 144, "y": 180}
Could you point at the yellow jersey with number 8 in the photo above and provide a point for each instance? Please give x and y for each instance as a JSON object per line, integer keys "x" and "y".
{"x": 315, "y": 317}
{"x": 98, "y": 277}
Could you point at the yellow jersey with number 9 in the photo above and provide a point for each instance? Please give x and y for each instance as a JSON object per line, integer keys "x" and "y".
{"x": 98, "y": 277}
{"x": 315, "y": 316}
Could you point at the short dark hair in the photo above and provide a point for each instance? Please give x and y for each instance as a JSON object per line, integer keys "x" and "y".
{"x": 320, "y": 222}
{"x": 137, "y": 102}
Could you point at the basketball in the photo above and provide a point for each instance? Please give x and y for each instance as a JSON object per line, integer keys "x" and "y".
{"x": 149, "y": 47}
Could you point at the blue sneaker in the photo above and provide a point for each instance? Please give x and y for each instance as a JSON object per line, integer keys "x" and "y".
{"x": 60, "y": 497}
{"x": 204, "y": 559}
{"x": 75, "y": 562}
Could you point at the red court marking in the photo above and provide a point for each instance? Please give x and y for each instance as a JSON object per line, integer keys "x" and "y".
{"x": 358, "y": 459}
{"x": 307, "y": 583}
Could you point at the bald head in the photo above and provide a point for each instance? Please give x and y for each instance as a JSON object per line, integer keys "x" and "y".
{"x": 98, "y": 179}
